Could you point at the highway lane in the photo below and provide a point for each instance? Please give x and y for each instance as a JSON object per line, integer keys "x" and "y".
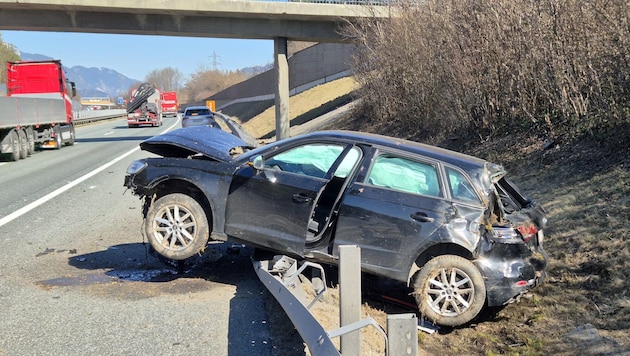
{"x": 29, "y": 179}
{"x": 76, "y": 278}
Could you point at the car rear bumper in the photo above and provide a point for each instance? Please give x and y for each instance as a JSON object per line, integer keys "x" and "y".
{"x": 511, "y": 270}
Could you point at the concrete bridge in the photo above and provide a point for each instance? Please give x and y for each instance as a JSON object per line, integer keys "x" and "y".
{"x": 280, "y": 21}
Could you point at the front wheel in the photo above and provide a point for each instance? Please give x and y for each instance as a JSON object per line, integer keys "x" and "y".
{"x": 177, "y": 226}
{"x": 450, "y": 290}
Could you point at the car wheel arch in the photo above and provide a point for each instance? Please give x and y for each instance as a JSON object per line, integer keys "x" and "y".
{"x": 167, "y": 186}
{"x": 435, "y": 251}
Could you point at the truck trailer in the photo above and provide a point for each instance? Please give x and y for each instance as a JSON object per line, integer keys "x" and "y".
{"x": 37, "y": 109}
{"x": 169, "y": 103}
{"x": 145, "y": 106}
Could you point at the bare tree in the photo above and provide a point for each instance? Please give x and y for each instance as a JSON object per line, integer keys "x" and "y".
{"x": 208, "y": 82}
{"x": 496, "y": 66}
{"x": 166, "y": 79}
{"x": 8, "y": 53}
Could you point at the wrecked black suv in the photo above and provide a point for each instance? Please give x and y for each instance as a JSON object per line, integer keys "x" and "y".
{"x": 451, "y": 226}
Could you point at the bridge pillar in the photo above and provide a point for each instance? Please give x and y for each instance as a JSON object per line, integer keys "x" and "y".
{"x": 282, "y": 87}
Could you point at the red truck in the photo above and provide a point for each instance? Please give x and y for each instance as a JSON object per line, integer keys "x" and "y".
{"x": 37, "y": 108}
{"x": 169, "y": 103}
{"x": 145, "y": 106}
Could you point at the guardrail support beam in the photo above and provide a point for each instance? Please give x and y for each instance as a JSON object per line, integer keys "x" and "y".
{"x": 350, "y": 297}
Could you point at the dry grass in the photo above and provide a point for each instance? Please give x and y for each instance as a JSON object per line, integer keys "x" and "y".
{"x": 265, "y": 123}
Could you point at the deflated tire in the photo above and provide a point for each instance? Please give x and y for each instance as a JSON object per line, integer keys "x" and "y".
{"x": 177, "y": 227}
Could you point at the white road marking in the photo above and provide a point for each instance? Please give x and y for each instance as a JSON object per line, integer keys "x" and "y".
{"x": 16, "y": 214}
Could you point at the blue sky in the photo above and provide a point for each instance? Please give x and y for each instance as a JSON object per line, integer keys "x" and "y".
{"x": 135, "y": 56}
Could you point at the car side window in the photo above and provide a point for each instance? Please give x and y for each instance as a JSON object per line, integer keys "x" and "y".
{"x": 460, "y": 186}
{"x": 312, "y": 160}
{"x": 405, "y": 175}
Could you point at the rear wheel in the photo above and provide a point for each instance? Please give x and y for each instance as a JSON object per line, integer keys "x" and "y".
{"x": 57, "y": 134}
{"x": 23, "y": 144}
{"x": 71, "y": 142}
{"x": 177, "y": 226}
{"x": 15, "y": 145}
{"x": 450, "y": 290}
{"x": 30, "y": 137}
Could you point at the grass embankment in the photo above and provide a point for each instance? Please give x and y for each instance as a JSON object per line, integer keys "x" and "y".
{"x": 259, "y": 118}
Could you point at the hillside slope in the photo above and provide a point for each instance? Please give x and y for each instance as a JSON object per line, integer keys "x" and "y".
{"x": 303, "y": 107}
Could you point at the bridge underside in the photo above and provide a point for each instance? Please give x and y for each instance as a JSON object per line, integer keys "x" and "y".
{"x": 280, "y": 21}
{"x": 169, "y": 25}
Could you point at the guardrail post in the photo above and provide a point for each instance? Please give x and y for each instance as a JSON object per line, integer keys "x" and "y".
{"x": 402, "y": 334}
{"x": 350, "y": 297}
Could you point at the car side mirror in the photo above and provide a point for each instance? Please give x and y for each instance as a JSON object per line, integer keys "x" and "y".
{"x": 258, "y": 163}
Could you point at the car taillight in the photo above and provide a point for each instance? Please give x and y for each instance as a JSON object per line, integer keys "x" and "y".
{"x": 527, "y": 231}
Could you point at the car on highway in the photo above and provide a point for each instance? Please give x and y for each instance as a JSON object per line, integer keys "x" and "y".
{"x": 452, "y": 227}
{"x": 198, "y": 116}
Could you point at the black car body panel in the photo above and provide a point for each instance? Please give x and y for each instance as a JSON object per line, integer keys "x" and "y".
{"x": 402, "y": 202}
{"x": 190, "y": 141}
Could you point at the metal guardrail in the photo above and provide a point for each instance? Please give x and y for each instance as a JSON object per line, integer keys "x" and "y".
{"x": 313, "y": 334}
{"x": 87, "y": 116}
{"x": 283, "y": 278}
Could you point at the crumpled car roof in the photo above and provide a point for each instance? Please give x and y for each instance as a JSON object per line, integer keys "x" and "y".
{"x": 211, "y": 142}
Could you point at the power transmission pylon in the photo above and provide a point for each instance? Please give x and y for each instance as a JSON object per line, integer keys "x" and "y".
{"x": 214, "y": 57}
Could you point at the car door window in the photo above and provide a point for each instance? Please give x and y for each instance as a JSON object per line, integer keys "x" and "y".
{"x": 405, "y": 175}
{"x": 460, "y": 186}
{"x": 348, "y": 163}
{"x": 312, "y": 160}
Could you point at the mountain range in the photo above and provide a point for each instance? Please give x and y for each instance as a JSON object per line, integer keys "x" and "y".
{"x": 91, "y": 82}
{"x": 105, "y": 82}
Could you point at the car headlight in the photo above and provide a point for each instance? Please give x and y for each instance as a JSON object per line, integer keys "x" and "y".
{"x": 136, "y": 166}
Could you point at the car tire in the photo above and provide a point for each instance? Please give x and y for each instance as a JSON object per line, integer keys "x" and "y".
{"x": 450, "y": 290}
{"x": 177, "y": 227}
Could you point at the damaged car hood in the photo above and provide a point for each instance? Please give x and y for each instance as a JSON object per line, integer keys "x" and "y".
{"x": 185, "y": 142}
